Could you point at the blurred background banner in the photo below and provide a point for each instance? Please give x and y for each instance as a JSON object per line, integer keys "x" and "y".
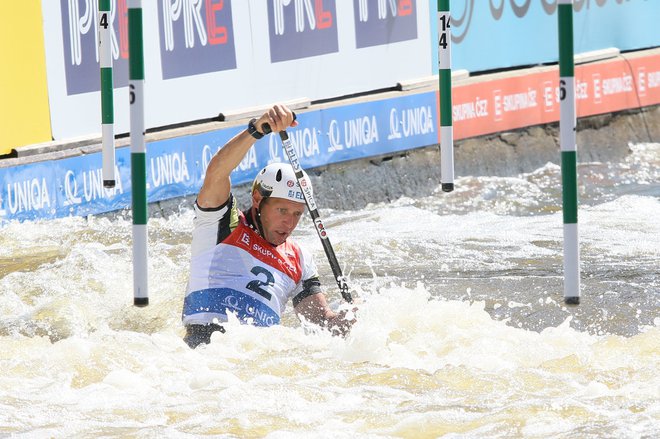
{"x": 357, "y": 130}
{"x": 532, "y": 97}
{"x": 209, "y": 57}
{"x": 496, "y": 34}
{"x": 176, "y": 166}
{"x": 206, "y": 57}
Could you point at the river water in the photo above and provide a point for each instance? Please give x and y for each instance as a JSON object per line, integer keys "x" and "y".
{"x": 462, "y": 331}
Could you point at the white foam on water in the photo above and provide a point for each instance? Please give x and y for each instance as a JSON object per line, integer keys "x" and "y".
{"x": 433, "y": 353}
{"x": 410, "y": 362}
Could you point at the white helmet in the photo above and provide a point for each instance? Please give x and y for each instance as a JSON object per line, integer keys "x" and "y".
{"x": 278, "y": 180}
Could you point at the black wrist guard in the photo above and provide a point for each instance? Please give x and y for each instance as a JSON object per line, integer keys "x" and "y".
{"x": 252, "y": 129}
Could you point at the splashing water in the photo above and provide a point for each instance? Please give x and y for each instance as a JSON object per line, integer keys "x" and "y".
{"x": 461, "y": 331}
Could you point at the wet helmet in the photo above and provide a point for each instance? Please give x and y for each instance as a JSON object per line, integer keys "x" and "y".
{"x": 278, "y": 180}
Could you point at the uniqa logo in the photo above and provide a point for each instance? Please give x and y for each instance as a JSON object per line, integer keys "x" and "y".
{"x": 28, "y": 195}
{"x": 92, "y": 186}
{"x": 169, "y": 168}
{"x": 305, "y": 142}
{"x": 231, "y": 303}
{"x": 411, "y": 122}
{"x": 360, "y": 131}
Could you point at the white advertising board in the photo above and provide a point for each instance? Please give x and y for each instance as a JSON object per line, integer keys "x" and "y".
{"x": 206, "y": 57}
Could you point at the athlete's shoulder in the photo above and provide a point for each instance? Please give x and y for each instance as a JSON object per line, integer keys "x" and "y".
{"x": 303, "y": 255}
{"x": 292, "y": 246}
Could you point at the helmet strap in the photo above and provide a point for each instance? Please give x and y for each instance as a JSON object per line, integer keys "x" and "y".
{"x": 257, "y": 219}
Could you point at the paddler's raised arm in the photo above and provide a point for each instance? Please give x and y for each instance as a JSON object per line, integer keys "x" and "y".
{"x": 217, "y": 183}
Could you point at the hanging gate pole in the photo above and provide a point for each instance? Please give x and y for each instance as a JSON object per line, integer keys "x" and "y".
{"x": 444, "y": 75}
{"x": 107, "y": 100}
{"x": 138, "y": 153}
{"x": 567, "y": 134}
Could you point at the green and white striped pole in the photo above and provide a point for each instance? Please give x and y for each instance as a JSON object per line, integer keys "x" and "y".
{"x": 444, "y": 75}
{"x": 138, "y": 152}
{"x": 567, "y": 135}
{"x": 107, "y": 105}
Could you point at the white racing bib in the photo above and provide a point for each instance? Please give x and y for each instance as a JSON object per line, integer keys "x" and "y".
{"x": 244, "y": 275}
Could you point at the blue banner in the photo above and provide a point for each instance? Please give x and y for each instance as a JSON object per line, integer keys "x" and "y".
{"x": 175, "y": 167}
{"x": 497, "y": 34}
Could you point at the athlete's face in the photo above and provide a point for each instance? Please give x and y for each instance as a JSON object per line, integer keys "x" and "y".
{"x": 279, "y": 217}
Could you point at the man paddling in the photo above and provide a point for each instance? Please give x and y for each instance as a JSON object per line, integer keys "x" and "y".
{"x": 244, "y": 262}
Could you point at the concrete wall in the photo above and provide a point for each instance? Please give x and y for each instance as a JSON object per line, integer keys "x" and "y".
{"x": 353, "y": 185}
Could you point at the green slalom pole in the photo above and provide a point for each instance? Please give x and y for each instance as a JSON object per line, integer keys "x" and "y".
{"x": 444, "y": 75}
{"x": 567, "y": 135}
{"x": 107, "y": 105}
{"x": 138, "y": 153}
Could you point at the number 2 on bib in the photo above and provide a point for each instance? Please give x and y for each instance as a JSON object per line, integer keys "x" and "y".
{"x": 256, "y": 285}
